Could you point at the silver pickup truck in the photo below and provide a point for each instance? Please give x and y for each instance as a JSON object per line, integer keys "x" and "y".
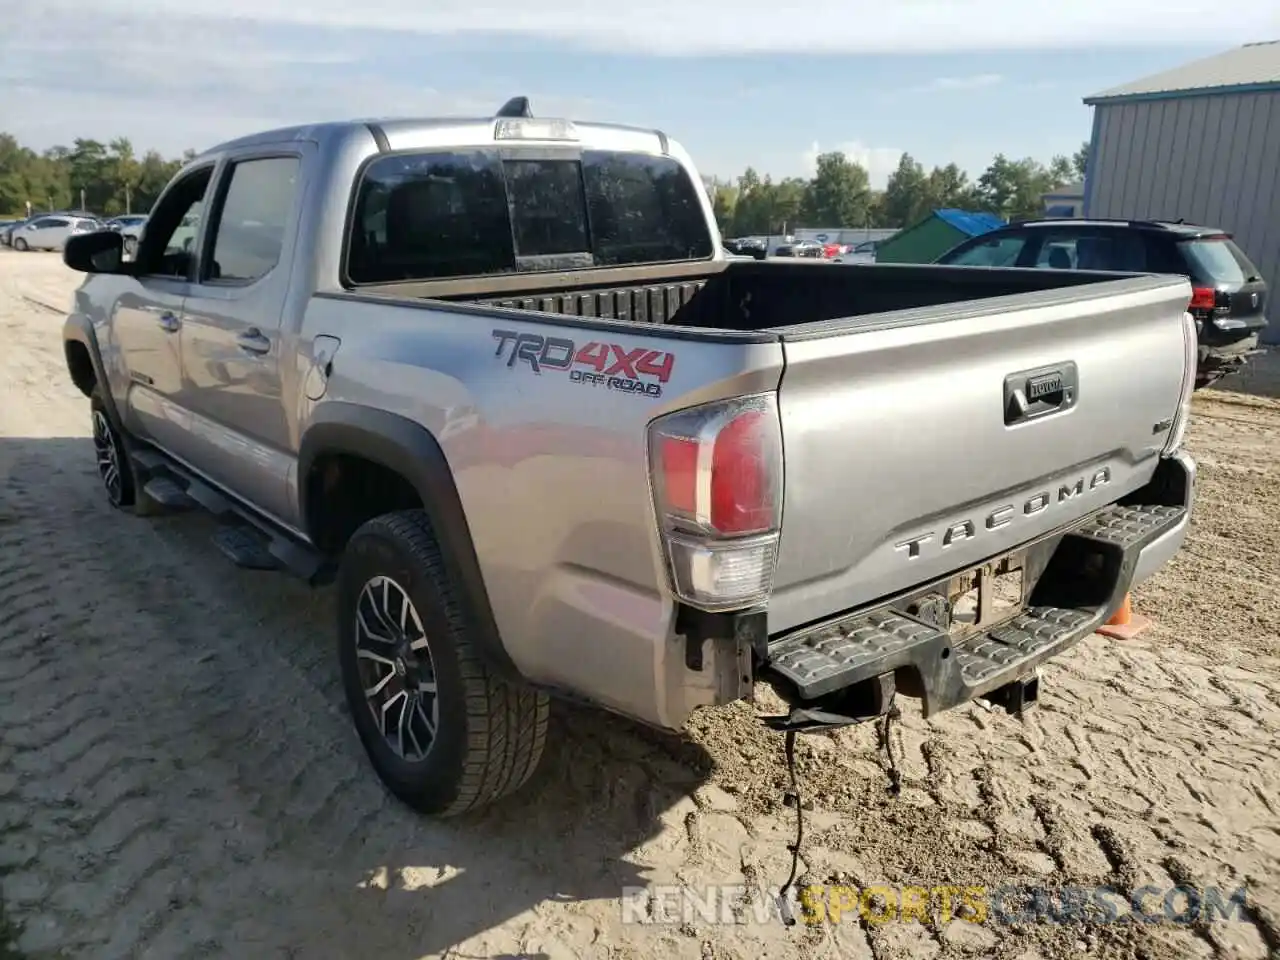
{"x": 497, "y": 380}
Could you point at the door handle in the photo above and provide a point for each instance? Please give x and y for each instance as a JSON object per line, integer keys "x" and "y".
{"x": 1030, "y": 394}
{"x": 252, "y": 341}
{"x": 168, "y": 323}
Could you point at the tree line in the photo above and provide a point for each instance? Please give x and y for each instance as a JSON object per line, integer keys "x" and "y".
{"x": 109, "y": 178}
{"x": 839, "y": 195}
{"x": 105, "y": 178}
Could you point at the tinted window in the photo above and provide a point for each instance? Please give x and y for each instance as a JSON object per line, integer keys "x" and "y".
{"x": 434, "y": 216}
{"x": 1108, "y": 250}
{"x": 254, "y": 215}
{"x": 48, "y": 223}
{"x": 547, "y": 208}
{"x": 1120, "y": 250}
{"x": 643, "y": 210}
{"x": 428, "y": 216}
{"x": 999, "y": 251}
{"x": 1218, "y": 261}
{"x": 1057, "y": 254}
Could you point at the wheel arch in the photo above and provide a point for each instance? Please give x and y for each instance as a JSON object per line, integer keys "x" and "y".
{"x": 409, "y": 450}
{"x": 80, "y": 347}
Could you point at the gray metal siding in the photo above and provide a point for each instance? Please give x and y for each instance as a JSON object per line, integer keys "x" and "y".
{"x": 1212, "y": 160}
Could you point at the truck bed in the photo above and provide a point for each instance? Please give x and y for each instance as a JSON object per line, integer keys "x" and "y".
{"x": 933, "y": 417}
{"x": 743, "y": 295}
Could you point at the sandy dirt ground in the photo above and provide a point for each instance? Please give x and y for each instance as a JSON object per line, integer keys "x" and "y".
{"x": 178, "y": 777}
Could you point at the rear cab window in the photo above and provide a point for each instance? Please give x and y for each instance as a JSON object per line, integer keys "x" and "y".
{"x": 468, "y": 213}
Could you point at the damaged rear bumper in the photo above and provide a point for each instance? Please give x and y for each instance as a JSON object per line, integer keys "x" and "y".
{"x": 1072, "y": 582}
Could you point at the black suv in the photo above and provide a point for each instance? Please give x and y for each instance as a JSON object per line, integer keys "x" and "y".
{"x": 1229, "y": 296}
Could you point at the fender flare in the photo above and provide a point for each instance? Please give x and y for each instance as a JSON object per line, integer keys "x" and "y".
{"x": 79, "y": 329}
{"x": 412, "y": 451}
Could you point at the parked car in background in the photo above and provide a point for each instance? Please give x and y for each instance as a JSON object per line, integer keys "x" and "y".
{"x": 1229, "y": 296}
{"x": 756, "y": 247}
{"x": 800, "y": 248}
{"x": 130, "y": 227}
{"x": 7, "y": 231}
{"x": 50, "y": 232}
{"x": 864, "y": 252}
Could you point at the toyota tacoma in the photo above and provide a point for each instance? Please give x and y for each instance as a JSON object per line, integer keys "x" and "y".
{"x": 497, "y": 381}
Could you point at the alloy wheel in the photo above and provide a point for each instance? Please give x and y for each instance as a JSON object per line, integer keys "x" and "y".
{"x": 109, "y": 457}
{"x": 397, "y": 673}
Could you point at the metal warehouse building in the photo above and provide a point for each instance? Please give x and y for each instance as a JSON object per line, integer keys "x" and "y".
{"x": 1199, "y": 143}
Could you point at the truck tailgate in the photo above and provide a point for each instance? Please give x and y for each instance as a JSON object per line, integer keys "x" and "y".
{"x": 924, "y": 442}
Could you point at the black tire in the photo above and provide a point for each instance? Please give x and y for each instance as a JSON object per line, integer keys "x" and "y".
{"x": 111, "y": 451}
{"x": 489, "y": 733}
{"x": 20, "y": 245}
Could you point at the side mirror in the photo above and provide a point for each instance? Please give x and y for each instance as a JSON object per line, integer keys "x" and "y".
{"x": 99, "y": 252}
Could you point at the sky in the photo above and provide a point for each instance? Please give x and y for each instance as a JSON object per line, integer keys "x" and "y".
{"x": 752, "y": 82}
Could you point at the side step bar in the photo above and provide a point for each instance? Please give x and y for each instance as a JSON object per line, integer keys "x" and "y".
{"x": 1065, "y": 605}
{"x": 245, "y": 539}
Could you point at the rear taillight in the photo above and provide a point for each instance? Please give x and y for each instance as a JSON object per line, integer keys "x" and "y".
{"x": 717, "y": 482}
{"x": 1190, "y": 361}
{"x": 1203, "y": 298}
{"x": 1208, "y": 305}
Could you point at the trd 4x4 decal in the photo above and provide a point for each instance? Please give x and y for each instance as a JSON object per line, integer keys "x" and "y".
{"x": 637, "y": 370}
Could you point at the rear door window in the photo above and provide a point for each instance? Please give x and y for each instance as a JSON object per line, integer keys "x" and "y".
{"x": 1057, "y": 254}
{"x": 1078, "y": 248}
{"x": 1001, "y": 251}
{"x": 427, "y": 216}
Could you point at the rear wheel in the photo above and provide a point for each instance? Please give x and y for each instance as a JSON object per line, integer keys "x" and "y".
{"x": 443, "y": 733}
{"x": 114, "y": 467}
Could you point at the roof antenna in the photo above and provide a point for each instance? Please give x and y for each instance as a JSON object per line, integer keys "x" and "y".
{"x": 516, "y": 107}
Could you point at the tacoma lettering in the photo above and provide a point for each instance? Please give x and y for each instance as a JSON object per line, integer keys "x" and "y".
{"x": 1005, "y": 514}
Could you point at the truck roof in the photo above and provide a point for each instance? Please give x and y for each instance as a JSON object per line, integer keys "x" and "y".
{"x": 407, "y": 133}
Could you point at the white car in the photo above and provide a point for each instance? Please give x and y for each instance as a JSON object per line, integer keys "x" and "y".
{"x": 51, "y": 232}
{"x": 129, "y": 226}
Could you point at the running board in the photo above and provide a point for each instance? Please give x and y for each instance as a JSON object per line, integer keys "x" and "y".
{"x": 245, "y": 538}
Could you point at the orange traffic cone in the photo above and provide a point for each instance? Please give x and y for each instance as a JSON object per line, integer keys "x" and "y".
{"x": 1124, "y": 624}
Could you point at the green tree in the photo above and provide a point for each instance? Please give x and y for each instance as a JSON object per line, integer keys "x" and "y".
{"x": 1062, "y": 170}
{"x": 839, "y": 194}
{"x": 1080, "y": 160}
{"x": 906, "y": 198}
{"x": 1014, "y": 189}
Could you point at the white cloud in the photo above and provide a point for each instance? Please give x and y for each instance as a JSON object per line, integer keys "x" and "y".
{"x": 677, "y": 27}
{"x": 103, "y": 76}
{"x": 974, "y": 82}
{"x": 879, "y": 162}
{"x": 173, "y": 74}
